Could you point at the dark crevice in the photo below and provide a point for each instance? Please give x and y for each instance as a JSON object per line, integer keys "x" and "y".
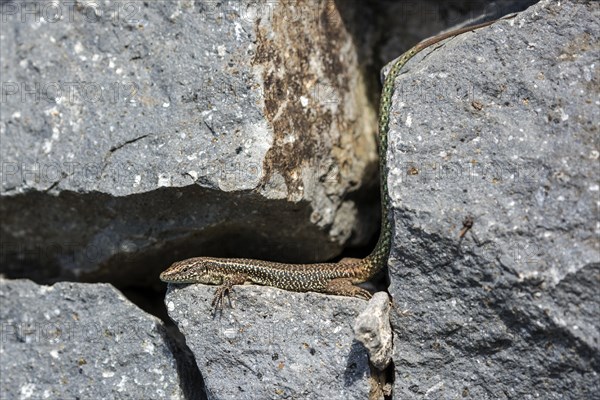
{"x": 389, "y": 373}
{"x": 389, "y": 376}
{"x": 190, "y": 377}
{"x": 382, "y": 382}
{"x": 149, "y": 299}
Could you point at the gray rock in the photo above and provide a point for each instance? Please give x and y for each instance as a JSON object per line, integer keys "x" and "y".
{"x": 372, "y": 328}
{"x": 273, "y": 343}
{"x": 218, "y": 121}
{"x": 500, "y": 125}
{"x": 74, "y": 340}
{"x": 200, "y": 125}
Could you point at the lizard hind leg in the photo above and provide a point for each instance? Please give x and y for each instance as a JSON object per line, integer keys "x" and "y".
{"x": 344, "y": 287}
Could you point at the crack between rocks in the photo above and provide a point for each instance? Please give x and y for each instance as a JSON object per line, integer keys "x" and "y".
{"x": 389, "y": 373}
{"x": 190, "y": 377}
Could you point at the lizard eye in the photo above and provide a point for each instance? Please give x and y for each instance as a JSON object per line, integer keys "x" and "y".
{"x": 183, "y": 268}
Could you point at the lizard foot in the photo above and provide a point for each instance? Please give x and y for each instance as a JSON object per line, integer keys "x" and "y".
{"x": 224, "y": 291}
{"x": 344, "y": 287}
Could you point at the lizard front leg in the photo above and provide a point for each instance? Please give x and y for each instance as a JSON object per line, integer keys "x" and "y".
{"x": 225, "y": 289}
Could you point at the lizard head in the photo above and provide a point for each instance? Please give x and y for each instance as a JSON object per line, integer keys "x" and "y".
{"x": 192, "y": 270}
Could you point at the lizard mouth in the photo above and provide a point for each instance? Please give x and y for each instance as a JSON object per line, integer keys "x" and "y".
{"x": 175, "y": 277}
{"x": 170, "y": 278}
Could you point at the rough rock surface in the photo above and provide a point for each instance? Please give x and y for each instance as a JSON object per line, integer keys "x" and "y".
{"x": 241, "y": 127}
{"x": 501, "y": 126}
{"x": 177, "y": 129}
{"x": 273, "y": 343}
{"x": 74, "y": 340}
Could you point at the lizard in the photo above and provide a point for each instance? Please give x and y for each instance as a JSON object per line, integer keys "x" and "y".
{"x": 339, "y": 278}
